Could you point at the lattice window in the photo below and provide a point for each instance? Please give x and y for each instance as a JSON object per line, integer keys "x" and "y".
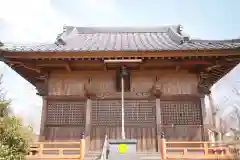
{"x": 108, "y": 112}
{"x": 63, "y": 113}
{"x": 140, "y": 112}
{"x": 181, "y": 113}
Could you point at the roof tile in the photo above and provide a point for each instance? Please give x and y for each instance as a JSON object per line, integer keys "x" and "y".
{"x": 124, "y": 39}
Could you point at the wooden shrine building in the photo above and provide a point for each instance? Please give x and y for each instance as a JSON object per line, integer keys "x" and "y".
{"x": 168, "y": 74}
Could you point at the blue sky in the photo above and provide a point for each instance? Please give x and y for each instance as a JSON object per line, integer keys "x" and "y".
{"x": 28, "y": 21}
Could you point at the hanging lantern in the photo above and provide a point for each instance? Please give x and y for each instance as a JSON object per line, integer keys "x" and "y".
{"x": 123, "y": 71}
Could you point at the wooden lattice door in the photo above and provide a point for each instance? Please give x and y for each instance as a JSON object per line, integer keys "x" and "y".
{"x": 181, "y": 120}
{"x": 140, "y": 122}
{"x": 106, "y": 119}
{"x": 65, "y": 120}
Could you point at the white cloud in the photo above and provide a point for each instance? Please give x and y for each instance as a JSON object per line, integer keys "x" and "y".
{"x": 26, "y": 21}
{"x": 36, "y": 21}
{"x": 31, "y": 20}
{"x": 40, "y": 20}
{"x": 91, "y": 12}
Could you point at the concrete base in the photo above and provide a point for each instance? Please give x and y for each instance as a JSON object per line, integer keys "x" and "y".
{"x": 129, "y": 153}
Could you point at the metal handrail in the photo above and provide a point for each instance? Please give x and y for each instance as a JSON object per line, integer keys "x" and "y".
{"x": 104, "y": 152}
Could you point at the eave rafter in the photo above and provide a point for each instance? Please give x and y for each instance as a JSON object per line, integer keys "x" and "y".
{"x": 24, "y": 65}
{"x": 211, "y": 74}
{"x": 35, "y": 75}
{"x": 30, "y": 74}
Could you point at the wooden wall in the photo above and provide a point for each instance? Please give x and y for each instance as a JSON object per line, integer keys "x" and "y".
{"x": 140, "y": 113}
{"x": 103, "y": 83}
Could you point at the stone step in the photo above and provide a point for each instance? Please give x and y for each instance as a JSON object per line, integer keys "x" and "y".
{"x": 142, "y": 155}
{"x": 93, "y": 155}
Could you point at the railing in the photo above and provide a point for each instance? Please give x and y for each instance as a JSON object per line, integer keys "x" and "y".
{"x": 58, "y": 150}
{"x": 194, "y": 150}
{"x": 104, "y": 152}
{"x": 234, "y": 148}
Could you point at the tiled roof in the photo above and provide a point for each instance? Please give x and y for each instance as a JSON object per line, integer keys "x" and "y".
{"x": 166, "y": 38}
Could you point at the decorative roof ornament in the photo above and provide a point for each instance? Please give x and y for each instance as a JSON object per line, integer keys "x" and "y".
{"x": 186, "y": 38}
{"x": 89, "y": 90}
{"x": 64, "y": 28}
{"x": 59, "y": 40}
{"x": 179, "y": 29}
{"x": 157, "y": 88}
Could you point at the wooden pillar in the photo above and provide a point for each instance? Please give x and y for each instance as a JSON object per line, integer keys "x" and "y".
{"x": 88, "y": 123}
{"x": 42, "y": 90}
{"x": 214, "y": 118}
{"x": 42, "y": 135}
{"x": 212, "y": 110}
{"x": 158, "y": 122}
{"x": 163, "y": 147}
{"x": 204, "y": 118}
{"x": 82, "y": 147}
{"x": 206, "y": 111}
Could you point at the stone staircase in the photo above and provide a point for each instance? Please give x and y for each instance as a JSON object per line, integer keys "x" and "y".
{"x": 92, "y": 155}
{"x": 149, "y": 155}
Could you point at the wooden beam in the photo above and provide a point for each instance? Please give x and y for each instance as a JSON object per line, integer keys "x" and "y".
{"x": 212, "y": 67}
{"x": 83, "y": 97}
{"x": 158, "y": 122}
{"x": 43, "y": 121}
{"x": 196, "y": 62}
{"x": 30, "y": 75}
{"x": 52, "y": 62}
{"x": 68, "y": 67}
{"x": 27, "y": 66}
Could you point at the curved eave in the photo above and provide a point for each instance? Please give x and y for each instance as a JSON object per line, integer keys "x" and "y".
{"x": 186, "y": 47}
{"x": 28, "y": 75}
{"x": 211, "y": 73}
{"x": 122, "y": 54}
{"x": 214, "y": 73}
{"x": 237, "y": 40}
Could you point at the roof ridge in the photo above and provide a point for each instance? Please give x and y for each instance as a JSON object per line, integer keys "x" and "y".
{"x": 173, "y": 31}
{"x": 114, "y": 29}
